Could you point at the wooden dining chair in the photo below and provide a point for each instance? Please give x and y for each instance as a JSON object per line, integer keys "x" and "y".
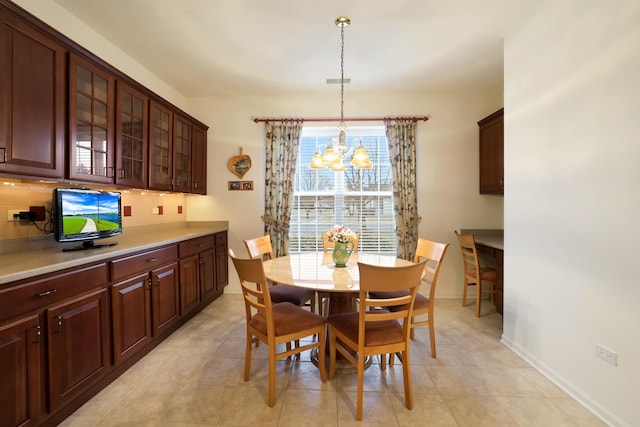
{"x": 375, "y": 329}
{"x": 275, "y": 323}
{"x": 261, "y": 247}
{"x": 327, "y": 246}
{"x": 483, "y": 278}
{"x": 423, "y": 308}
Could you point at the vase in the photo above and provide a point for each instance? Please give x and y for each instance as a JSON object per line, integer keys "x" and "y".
{"x": 341, "y": 254}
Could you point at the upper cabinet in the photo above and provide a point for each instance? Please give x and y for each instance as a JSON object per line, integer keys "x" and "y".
{"x": 491, "y": 130}
{"x": 32, "y": 105}
{"x": 177, "y": 150}
{"x": 160, "y": 147}
{"x": 199, "y": 160}
{"x": 91, "y": 124}
{"x": 67, "y": 114}
{"x": 132, "y": 124}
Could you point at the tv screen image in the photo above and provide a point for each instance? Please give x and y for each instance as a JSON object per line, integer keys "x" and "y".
{"x": 85, "y": 215}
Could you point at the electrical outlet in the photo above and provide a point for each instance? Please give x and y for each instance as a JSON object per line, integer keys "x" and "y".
{"x": 606, "y": 354}
{"x": 14, "y": 214}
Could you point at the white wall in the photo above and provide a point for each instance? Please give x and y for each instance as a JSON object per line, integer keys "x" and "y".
{"x": 447, "y": 161}
{"x": 572, "y": 203}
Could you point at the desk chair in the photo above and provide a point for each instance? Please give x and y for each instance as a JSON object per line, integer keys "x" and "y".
{"x": 327, "y": 246}
{"x": 433, "y": 253}
{"x": 485, "y": 281}
{"x": 275, "y": 323}
{"x": 376, "y": 329}
{"x": 261, "y": 247}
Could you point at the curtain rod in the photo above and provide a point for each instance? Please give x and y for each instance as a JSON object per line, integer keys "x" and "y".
{"x": 328, "y": 119}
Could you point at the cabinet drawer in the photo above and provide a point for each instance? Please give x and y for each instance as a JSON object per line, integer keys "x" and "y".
{"x": 139, "y": 263}
{"x": 194, "y": 246}
{"x": 39, "y": 293}
{"x": 221, "y": 238}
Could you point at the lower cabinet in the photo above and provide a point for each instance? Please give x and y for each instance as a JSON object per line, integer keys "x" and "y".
{"x": 20, "y": 346}
{"x": 131, "y": 316}
{"x": 64, "y": 336}
{"x": 59, "y": 345}
{"x": 78, "y": 345}
{"x": 144, "y": 299}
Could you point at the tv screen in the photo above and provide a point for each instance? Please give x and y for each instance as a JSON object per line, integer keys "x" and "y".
{"x": 83, "y": 215}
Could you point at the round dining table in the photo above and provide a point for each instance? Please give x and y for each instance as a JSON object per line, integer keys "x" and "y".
{"x": 317, "y": 271}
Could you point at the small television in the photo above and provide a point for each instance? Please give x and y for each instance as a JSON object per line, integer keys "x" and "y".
{"x": 84, "y": 215}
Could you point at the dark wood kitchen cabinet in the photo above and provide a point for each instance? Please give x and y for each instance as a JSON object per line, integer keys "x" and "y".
{"x": 160, "y": 147}
{"x": 32, "y": 101}
{"x": 54, "y": 341}
{"x": 78, "y": 346}
{"x": 199, "y": 160}
{"x": 491, "y": 131}
{"x": 181, "y": 154}
{"x": 132, "y": 124}
{"x": 144, "y": 299}
{"x": 20, "y": 346}
{"x": 197, "y": 273}
{"x": 91, "y": 124}
{"x": 222, "y": 261}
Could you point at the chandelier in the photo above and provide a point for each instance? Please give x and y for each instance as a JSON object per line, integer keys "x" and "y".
{"x": 337, "y": 150}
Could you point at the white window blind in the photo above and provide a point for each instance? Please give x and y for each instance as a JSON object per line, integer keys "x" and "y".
{"x": 359, "y": 199}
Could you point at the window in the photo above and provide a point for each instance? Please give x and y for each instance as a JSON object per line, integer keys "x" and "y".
{"x": 361, "y": 199}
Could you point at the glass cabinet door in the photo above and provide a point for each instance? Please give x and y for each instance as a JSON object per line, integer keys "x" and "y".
{"x": 91, "y": 125}
{"x": 131, "y": 137}
{"x": 160, "y": 147}
{"x": 182, "y": 155}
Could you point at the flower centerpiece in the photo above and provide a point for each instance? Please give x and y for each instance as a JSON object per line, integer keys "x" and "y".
{"x": 341, "y": 236}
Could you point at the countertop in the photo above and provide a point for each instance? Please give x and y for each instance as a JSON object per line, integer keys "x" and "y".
{"x": 488, "y": 237}
{"x": 25, "y": 258}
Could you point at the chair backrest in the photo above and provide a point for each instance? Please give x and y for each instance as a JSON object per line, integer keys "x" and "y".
{"x": 433, "y": 253}
{"x": 255, "y": 289}
{"x": 260, "y": 247}
{"x": 374, "y": 278}
{"x": 326, "y": 244}
{"x": 469, "y": 254}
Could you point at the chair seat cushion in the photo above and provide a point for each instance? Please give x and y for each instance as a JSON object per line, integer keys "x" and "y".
{"x": 287, "y": 318}
{"x": 486, "y": 273}
{"x": 376, "y": 333}
{"x": 421, "y": 302}
{"x": 292, "y": 294}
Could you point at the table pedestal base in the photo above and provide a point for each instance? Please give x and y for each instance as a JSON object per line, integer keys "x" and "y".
{"x": 343, "y": 366}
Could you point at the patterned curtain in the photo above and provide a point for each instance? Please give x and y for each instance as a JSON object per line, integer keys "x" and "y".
{"x": 282, "y": 142}
{"x": 401, "y": 137}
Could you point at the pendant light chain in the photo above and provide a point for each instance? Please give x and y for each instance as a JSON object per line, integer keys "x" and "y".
{"x": 342, "y": 25}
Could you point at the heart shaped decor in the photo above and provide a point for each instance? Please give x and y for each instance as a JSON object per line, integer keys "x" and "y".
{"x": 239, "y": 165}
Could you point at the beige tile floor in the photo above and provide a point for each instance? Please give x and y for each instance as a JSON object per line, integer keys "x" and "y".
{"x": 194, "y": 378}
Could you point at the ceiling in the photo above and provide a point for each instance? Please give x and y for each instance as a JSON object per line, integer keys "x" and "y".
{"x": 275, "y": 47}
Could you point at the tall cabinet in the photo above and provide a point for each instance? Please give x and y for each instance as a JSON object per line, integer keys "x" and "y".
{"x": 491, "y": 130}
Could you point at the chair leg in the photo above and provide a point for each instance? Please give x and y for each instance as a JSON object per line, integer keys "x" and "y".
{"x": 464, "y": 292}
{"x": 406, "y": 373}
{"x": 247, "y": 356}
{"x": 332, "y": 354}
{"x": 272, "y": 377}
{"x": 360, "y": 387}
{"x": 322, "y": 354}
{"x": 478, "y": 297}
{"x": 412, "y": 331}
{"x": 432, "y": 337}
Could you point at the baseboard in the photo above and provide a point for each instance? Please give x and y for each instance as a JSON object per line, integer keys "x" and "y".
{"x": 596, "y": 409}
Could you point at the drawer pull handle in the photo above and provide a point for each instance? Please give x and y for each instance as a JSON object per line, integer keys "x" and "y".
{"x": 200, "y": 245}
{"x": 152, "y": 259}
{"x": 45, "y": 293}
{"x": 38, "y": 333}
